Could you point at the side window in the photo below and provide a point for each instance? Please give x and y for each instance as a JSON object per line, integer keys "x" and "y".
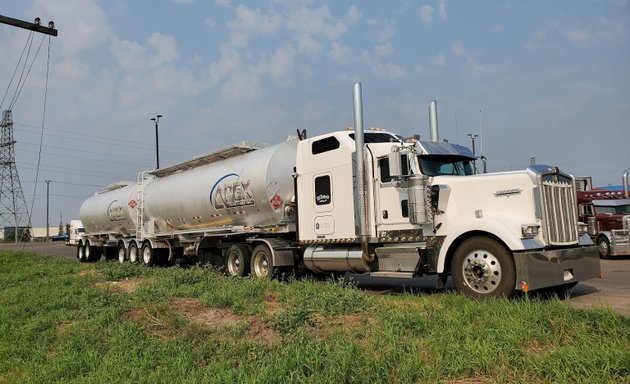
{"x": 322, "y": 190}
{"x": 324, "y": 145}
{"x": 383, "y": 164}
{"x": 384, "y": 168}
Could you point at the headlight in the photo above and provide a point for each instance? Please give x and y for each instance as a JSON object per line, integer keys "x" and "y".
{"x": 530, "y": 230}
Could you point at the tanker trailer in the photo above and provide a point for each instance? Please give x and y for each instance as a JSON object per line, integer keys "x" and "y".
{"x": 210, "y": 204}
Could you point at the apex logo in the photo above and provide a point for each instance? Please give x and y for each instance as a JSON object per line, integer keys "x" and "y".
{"x": 231, "y": 191}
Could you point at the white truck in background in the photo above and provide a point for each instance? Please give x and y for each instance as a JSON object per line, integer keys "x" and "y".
{"x": 350, "y": 201}
{"x": 76, "y": 230}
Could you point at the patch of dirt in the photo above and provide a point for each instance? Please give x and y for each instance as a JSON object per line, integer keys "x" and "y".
{"x": 272, "y": 305}
{"x": 325, "y": 327}
{"x": 89, "y": 272}
{"x": 126, "y": 286}
{"x": 206, "y": 317}
{"x": 192, "y": 310}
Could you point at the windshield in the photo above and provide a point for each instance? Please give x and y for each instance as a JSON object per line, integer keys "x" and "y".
{"x": 618, "y": 210}
{"x": 445, "y": 165}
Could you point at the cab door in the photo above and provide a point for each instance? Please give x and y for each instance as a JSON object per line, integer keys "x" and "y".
{"x": 392, "y": 211}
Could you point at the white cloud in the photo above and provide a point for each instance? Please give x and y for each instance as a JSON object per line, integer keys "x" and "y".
{"x": 442, "y": 10}
{"x": 74, "y": 69}
{"x": 385, "y": 29}
{"x": 131, "y": 55}
{"x": 209, "y": 22}
{"x": 307, "y": 45}
{"x": 82, "y": 24}
{"x": 439, "y": 60}
{"x": 281, "y": 64}
{"x": 602, "y": 30}
{"x": 251, "y": 22}
{"x": 354, "y": 15}
{"x": 385, "y": 49}
{"x": 340, "y": 53}
{"x": 426, "y": 14}
{"x": 223, "y": 3}
{"x": 458, "y": 49}
{"x": 389, "y": 70}
{"x": 164, "y": 47}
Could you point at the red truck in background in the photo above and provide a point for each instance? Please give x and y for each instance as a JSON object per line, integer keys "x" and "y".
{"x": 605, "y": 216}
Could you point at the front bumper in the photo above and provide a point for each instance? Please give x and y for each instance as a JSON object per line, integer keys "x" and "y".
{"x": 548, "y": 268}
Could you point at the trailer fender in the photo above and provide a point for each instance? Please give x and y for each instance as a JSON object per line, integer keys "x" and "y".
{"x": 160, "y": 244}
{"x": 281, "y": 252}
{"x": 492, "y": 228}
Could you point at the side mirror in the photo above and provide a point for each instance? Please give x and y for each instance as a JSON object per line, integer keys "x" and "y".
{"x": 395, "y": 166}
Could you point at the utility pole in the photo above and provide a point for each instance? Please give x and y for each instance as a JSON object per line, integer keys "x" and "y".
{"x": 47, "y": 209}
{"x": 36, "y": 26}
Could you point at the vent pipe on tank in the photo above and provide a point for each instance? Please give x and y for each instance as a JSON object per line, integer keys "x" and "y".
{"x": 433, "y": 123}
{"x": 361, "y": 197}
{"x": 624, "y": 180}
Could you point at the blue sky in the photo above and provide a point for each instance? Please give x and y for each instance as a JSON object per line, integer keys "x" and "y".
{"x": 551, "y": 79}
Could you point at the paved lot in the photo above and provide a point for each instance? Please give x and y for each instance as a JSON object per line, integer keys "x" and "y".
{"x": 612, "y": 291}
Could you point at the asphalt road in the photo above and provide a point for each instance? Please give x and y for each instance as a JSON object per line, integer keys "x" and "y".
{"x": 613, "y": 291}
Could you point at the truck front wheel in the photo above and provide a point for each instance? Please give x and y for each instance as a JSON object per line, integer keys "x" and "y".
{"x": 262, "y": 262}
{"x": 483, "y": 268}
{"x": 604, "y": 247}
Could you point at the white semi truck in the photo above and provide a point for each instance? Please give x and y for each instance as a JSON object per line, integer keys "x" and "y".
{"x": 350, "y": 201}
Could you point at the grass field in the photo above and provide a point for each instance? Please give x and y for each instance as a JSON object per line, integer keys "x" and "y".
{"x": 62, "y": 321}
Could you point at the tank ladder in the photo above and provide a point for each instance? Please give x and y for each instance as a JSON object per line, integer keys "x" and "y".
{"x": 142, "y": 176}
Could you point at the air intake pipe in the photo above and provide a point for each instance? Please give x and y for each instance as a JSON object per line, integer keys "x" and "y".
{"x": 433, "y": 122}
{"x": 361, "y": 197}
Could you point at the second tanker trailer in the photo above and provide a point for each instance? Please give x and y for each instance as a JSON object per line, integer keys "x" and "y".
{"x": 350, "y": 201}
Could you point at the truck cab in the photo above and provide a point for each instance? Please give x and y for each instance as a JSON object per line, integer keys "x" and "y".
{"x": 606, "y": 215}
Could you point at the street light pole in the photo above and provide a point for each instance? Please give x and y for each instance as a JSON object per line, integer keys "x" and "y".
{"x": 156, "y": 119}
{"x": 48, "y": 209}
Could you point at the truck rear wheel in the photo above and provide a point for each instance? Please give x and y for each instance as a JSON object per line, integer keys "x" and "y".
{"x": 133, "y": 255}
{"x": 148, "y": 254}
{"x": 483, "y": 268}
{"x": 262, "y": 262}
{"x": 604, "y": 247}
{"x": 87, "y": 251}
{"x": 80, "y": 252}
{"x": 238, "y": 259}
{"x": 122, "y": 253}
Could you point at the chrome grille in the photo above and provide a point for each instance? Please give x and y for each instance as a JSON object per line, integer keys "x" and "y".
{"x": 559, "y": 210}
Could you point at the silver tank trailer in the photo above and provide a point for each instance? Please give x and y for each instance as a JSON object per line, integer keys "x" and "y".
{"x": 248, "y": 190}
{"x": 111, "y": 211}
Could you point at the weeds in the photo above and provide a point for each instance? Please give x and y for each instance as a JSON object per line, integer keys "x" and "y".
{"x": 61, "y": 321}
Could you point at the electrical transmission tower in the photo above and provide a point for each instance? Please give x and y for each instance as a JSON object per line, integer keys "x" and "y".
{"x": 13, "y": 209}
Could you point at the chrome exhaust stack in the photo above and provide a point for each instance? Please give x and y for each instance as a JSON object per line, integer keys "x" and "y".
{"x": 624, "y": 180}
{"x": 433, "y": 122}
{"x": 361, "y": 197}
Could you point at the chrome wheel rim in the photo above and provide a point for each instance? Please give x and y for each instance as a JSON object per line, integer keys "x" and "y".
{"x": 482, "y": 271}
{"x": 234, "y": 263}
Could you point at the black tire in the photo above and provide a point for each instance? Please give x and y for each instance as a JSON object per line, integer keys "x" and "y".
{"x": 87, "y": 251}
{"x": 603, "y": 245}
{"x": 122, "y": 253}
{"x": 237, "y": 260}
{"x": 483, "y": 268}
{"x": 80, "y": 252}
{"x": 134, "y": 255}
{"x": 262, "y": 262}
{"x": 148, "y": 254}
{"x": 109, "y": 253}
{"x": 96, "y": 252}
